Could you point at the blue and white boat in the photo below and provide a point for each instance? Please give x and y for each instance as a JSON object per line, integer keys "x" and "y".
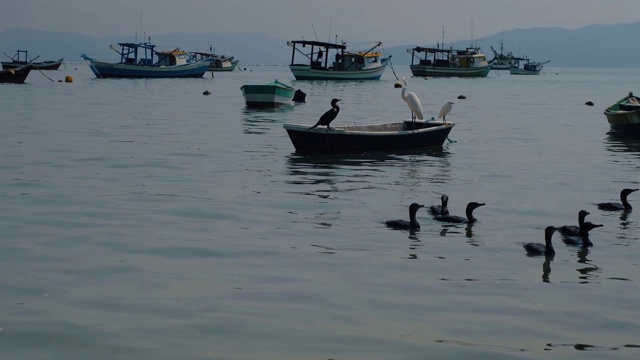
{"x": 329, "y": 61}
{"x": 141, "y": 60}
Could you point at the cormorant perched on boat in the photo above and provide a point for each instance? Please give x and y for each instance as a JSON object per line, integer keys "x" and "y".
{"x": 328, "y": 117}
{"x": 459, "y": 219}
{"x": 612, "y": 206}
{"x": 412, "y": 224}
{"x": 437, "y": 210}
{"x": 542, "y": 249}
{"x": 573, "y": 230}
{"x": 582, "y": 239}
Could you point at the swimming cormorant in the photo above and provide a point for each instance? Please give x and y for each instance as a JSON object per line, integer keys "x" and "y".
{"x": 412, "y": 224}
{"x": 582, "y": 239}
{"x": 542, "y": 249}
{"x": 459, "y": 219}
{"x": 437, "y": 210}
{"x": 573, "y": 230}
{"x": 328, "y": 117}
{"x": 612, "y": 206}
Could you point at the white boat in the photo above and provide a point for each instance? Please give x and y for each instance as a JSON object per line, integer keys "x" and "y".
{"x": 329, "y": 61}
{"x": 502, "y": 61}
{"x": 524, "y": 66}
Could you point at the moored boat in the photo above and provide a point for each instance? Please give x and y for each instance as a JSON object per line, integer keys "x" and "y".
{"x": 395, "y": 136}
{"x": 141, "y": 60}
{"x": 624, "y": 115}
{"x": 502, "y": 60}
{"x": 18, "y": 61}
{"x": 269, "y": 95}
{"x": 15, "y": 75}
{"x": 218, "y": 62}
{"x": 470, "y": 62}
{"x": 524, "y": 66}
{"x": 329, "y": 61}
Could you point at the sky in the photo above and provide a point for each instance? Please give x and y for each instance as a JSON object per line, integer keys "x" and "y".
{"x": 394, "y": 22}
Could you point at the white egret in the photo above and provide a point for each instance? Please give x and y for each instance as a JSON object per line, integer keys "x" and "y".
{"x": 412, "y": 100}
{"x": 446, "y": 109}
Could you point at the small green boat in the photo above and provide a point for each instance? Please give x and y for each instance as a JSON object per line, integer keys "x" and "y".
{"x": 269, "y": 95}
{"x": 624, "y": 115}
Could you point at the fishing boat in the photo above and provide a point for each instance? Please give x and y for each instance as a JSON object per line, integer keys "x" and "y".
{"x": 502, "y": 61}
{"x": 395, "y": 136}
{"x": 17, "y": 61}
{"x": 329, "y": 61}
{"x": 218, "y": 62}
{"x": 524, "y": 66}
{"x": 15, "y": 75}
{"x": 141, "y": 60}
{"x": 437, "y": 61}
{"x": 269, "y": 95}
{"x": 624, "y": 115}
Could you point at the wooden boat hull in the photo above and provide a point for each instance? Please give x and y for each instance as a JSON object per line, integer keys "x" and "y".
{"x": 15, "y": 76}
{"x": 269, "y": 95}
{"x": 308, "y": 72}
{"x": 117, "y": 70}
{"x": 622, "y": 118}
{"x": 44, "y": 65}
{"x": 429, "y": 70}
{"x": 365, "y": 138}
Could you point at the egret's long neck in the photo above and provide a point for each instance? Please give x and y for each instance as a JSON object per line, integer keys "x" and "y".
{"x": 404, "y": 92}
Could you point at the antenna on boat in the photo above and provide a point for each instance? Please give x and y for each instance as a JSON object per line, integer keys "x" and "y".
{"x": 314, "y": 31}
{"x": 330, "y": 23}
{"x": 442, "y": 37}
{"x": 471, "y": 33}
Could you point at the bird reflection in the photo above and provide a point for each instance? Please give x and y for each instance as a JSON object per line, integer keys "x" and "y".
{"x": 585, "y": 272}
{"x": 546, "y": 268}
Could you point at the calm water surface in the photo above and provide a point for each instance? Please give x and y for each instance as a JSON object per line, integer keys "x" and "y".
{"x": 141, "y": 219}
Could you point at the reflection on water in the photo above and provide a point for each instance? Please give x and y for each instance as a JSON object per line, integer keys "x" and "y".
{"x": 546, "y": 268}
{"x": 588, "y": 273}
{"x": 260, "y": 121}
{"x": 622, "y": 143}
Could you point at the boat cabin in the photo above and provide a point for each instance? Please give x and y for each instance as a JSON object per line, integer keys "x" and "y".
{"x": 323, "y": 55}
{"x": 438, "y": 57}
{"x": 142, "y": 54}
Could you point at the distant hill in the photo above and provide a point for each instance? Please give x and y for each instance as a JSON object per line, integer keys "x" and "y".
{"x": 590, "y": 46}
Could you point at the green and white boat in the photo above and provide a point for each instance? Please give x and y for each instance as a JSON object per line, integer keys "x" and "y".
{"x": 470, "y": 62}
{"x": 624, "y": 115}
{"x": 269, "y": 95}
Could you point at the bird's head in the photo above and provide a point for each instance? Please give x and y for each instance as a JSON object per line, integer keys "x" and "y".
{"x": 334, "y": 101}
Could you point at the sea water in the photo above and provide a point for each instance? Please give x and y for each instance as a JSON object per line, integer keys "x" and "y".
{"x": 141, "y": 219}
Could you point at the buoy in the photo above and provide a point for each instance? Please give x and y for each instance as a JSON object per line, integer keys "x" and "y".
{"x": 207, "y": 92}
{"x": 68, "y": 79}
{"x": 461, "y": 97}
{"x": 589, "y": 103}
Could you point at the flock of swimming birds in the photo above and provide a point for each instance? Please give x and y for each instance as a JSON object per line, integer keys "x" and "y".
{"x": 577, "y": 235}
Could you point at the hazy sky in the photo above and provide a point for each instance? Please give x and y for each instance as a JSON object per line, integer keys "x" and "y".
{"x": 394, "y": 22}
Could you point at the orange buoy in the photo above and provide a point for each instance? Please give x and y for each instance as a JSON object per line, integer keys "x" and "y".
{"x": 68, "y": 79}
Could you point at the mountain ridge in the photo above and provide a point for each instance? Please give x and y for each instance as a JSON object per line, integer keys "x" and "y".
{"x": 597, "y": 45}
